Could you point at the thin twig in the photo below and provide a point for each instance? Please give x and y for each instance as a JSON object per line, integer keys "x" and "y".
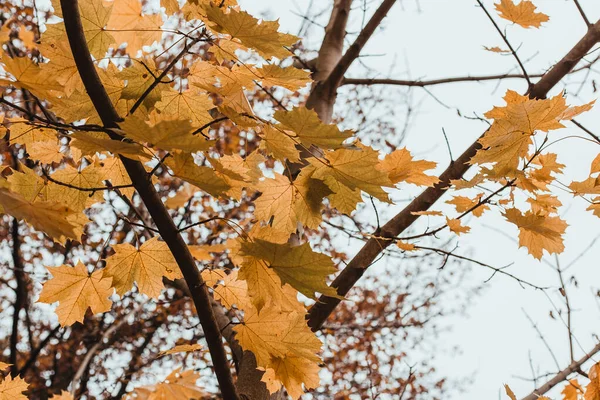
{"x": 164, "y": 73}
{"x": 582, "y": 13}
{"x": 514, "y": 53}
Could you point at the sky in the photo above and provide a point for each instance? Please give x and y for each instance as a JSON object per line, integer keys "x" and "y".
{"x": 432, "y": 39}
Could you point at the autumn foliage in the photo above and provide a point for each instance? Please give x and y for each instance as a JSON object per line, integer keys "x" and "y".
{"x": 209, "y": 197}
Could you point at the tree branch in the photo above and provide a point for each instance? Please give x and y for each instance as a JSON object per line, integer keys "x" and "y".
{"x": 332, "y": 46}
{"x": 582, "y": 13}
{"x": 512, "y": 50}
{"x": 323, "y": 95}
{"x": 363, "y": 37}
{"x": 399, "y": 223}
{"x": 36, "y": 352}
{"x": 20, "y": 295}
{"x": 89, "y": 356}
{"x": 562, "y": 375}
{"x": 432, "y": 82}
{"x": 164, "y": 73}
{"x": 134, "y": 363}
{"x": 148, "y": 194}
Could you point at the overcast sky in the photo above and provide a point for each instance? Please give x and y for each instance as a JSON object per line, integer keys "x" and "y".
{"x": 435, "y": 39}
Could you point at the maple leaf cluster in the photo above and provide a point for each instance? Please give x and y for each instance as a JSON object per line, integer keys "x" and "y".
{"x": 186, "y": 116}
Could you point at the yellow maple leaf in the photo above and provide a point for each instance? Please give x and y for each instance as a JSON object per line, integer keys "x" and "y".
{"x": 589, "y": 186}
{"x": 55, "y": 219}
{"x": 539, "y": 178}
{"x": 309, "y": 198}
{"x": 530, "y": 115}
{"x": 45, "y": 152}
{"x": 309, "y": 129}
{"x": 145, "y": 266}
{"x": 538, "y": 232}
{"x": 27, "y": 37}
{"x": 28, "y": 75}
{"x": 595, "y": 167}
{"x": 544, "y": 203}
{"x": 405, "y": 246}
{"x": 90, "y": 143}
{"x": 290, "y": 77}
{"x": 595, "y": 207}
{"x": 21, "y": 132}
{"x": 13, "y": 388}
{"x": 183, "y": 195}
{"x": 178, "y": 385}
{"x": 354, "y": 168}
{"x": 282, "y": 342}
{"x": 225, "y": 49}
{"x": 572, "y": 390}
{"x": 79, "y": 106}
{"x": 76, "y": 290}
{"x": 522, "y": 14}
{"x": 203, "y": 74}
{"x": 273, "y": 333}
{"x": 61, "y": 65}
{"x": 456, "y": 226}
{"x": 202, "y": 252}
{"x": 298, "y": 266}
{"x": 139, "y": 80}
{"x": 401, "y": 167}
{"x": 112, "y": 169}
{"x": 292, "y": 372}
{"x": 343, "y": 198}
{"x": 190, "y": 104}
{"x": 285, "y": 203}
{"x": 184, "y": 167}
{"x": 463, "y": 204}
{"x": 90, "y": 177}
{"x": 28, "y": 184}
{"x": 168, "y": 135}
{"x": 592, "y": 390}
{"x": 227, "y": 288}
{"x": 182, "y": 348}
{"x": 508, "y": 139}
{"x": 574, "y": 111}
{"x": 128, "y": 24}
{"x": 4, "y": 365}
{"x": 278, "y": 144}
{"x": 4, "y": 33}
{"x": 264, "y": 285}
{"x": 263, "y": 37}
{"x": 94, "y": 17}
{"x": 236, "y": 172}
{"x": 171, "y": 6}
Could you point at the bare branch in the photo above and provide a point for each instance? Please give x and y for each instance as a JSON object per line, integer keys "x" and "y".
{"x": 432, "y": 82}
{"x": 512, "y": 50}
{"x": 562, "y": 375}
{"x": 323, "y": 95}
{"x": 582, "y": 13}
{"x": 20, "y": 294}
{"x": 89, "y": 356}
